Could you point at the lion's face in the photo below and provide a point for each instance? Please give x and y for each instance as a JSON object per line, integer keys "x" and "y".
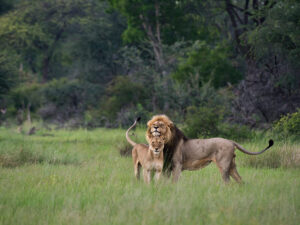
{"x": 159, "y": 126}
{"x": 156, "y": 145}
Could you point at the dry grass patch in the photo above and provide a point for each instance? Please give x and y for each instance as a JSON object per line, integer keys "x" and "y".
{"x": 23, "y": 157}
{"x": 282, "y": 154}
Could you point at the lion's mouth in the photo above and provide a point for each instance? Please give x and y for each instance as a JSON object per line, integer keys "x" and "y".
{"x": 156, "y": 133}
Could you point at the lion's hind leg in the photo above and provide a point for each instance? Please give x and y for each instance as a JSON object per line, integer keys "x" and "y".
{"x": 136, "y": 164}
{"x": 225, "y": 174}
{"x": 224, "y": 166}
{"x": 234, "y": 173}
{"x": 137, "y": 170}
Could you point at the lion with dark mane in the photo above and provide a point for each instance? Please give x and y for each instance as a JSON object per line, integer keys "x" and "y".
{"x": 181, "y": 153}
{"x": 161, "y": 125}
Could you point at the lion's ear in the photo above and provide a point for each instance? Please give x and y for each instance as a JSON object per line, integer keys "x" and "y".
{"x": 170, "y": 124}
{"x": 148, "y": 124}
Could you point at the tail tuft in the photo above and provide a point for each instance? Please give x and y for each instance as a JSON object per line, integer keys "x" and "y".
{"x": 271, "y": 142}
{"x": 138, "y": 119}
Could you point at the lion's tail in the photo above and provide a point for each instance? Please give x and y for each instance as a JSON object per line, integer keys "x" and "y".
{"x": 271, "y": 142}
{"x": 127, "y": 132}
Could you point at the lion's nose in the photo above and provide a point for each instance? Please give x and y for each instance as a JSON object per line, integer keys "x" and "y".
{"x": 156, "y": 149}
{"x": 156, "y": 127}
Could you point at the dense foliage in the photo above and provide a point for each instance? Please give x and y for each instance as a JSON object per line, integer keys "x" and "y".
{"x": 102, "y": 63}
{"x": 288, "y": 125}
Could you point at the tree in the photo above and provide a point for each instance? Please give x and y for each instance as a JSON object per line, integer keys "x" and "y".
{"x": 272, "y": 84}
{"x": 205, "y": 63}
{"x": 35, "y": 28}
{"x": 95, "y": 48}
{"x": 5, "y": 5}
{"x": 244, "y": 15}
{"x": 7, "y": 74}
{"x": 122, "y": 93}
{"x": 159, "y": 22}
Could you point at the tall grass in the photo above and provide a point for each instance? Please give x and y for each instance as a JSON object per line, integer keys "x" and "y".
{"x": 99, "y": 188}
{"x": 284, "y": 154}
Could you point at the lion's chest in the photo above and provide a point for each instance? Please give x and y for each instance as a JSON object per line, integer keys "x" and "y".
{"x": 155, "y": 165}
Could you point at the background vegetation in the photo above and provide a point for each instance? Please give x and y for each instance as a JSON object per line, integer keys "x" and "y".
{"x": 217, "y": 68}
{"x": 102, "y": 63}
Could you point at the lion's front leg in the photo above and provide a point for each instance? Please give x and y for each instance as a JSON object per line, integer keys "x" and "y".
{"x": 176, "y": 172}
{"x": 177, "y": 163}
{"x": 157, "y": 174}
{"x": 147, "y": 175}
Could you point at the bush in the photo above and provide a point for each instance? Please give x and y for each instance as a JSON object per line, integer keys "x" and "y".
{"x": 236, "y": 132}
{"x": 124, "y": 99}
{"x": 208, "y": 64}
{"x": 93, "y": 118}
{"x": 8, "y": 73}
{"x": 124, "y": 149}
{"x": 288, "y": 125}
{"x": 58, "y": 100}
{"x": 202, "y": 122}
{"x": 26, "y": 95}
{"x": 64, "y": 99}
{"x": 207, "y": 122}
{"x": 124, "y": 118}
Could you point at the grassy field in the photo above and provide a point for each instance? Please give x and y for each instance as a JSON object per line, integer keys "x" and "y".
{"x": 78, "y": 177}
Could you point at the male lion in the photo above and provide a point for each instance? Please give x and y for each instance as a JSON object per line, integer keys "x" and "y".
{"x": 193, "y": 154}
{"x": 162, "y": 126}
{"x": 149, "y": 157}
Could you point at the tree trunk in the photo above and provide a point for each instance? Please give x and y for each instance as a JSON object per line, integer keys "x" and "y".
{"x": 28, "y": 113}
{"x": 155, "y": 38}
{"x": 49, "y": 52}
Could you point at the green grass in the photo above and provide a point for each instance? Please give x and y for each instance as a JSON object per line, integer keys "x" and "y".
{"x": 78, "y": 177}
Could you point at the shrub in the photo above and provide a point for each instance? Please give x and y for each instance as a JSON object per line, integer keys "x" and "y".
{"x": 127, "y": 116}
{"x": 208, "y": 64}
{"x": 288, "y": 125}
{"x": 235, "y": 132}
{"x": 124, "y": 149}
{"x": 202, "y": 121}
{"x": 8, "y": 72}
{"x": 124, "y": 118}
{"x": 26, "y": 95}
{"x": 208, "y": 122}
{"x": 94, "y": 118}
{"x": 63, "y": 92}
{"x": 64, "y": 99}
{"x": 124, "y": 99}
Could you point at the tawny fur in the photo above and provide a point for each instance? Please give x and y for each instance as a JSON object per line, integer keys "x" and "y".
{"x": 162, "y": 126}
{"x": 193, "y": 154}
{"x": 148, "y": 157}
